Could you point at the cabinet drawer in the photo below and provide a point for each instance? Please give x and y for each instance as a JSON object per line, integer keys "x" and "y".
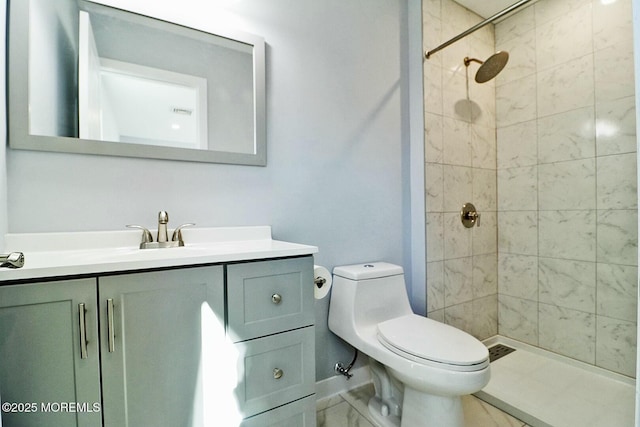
{"x": 301, "y": 413}
{"x": 275, "y": 370}
{"x": 269, "y": 296}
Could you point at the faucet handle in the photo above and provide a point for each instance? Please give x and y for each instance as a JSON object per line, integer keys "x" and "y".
{"x": 146, "y": 234}
{"x": 12, "y": 260}
{"x": 177, "y": 233}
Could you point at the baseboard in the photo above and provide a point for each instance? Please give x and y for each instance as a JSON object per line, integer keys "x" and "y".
{"x": 340, "y": 384}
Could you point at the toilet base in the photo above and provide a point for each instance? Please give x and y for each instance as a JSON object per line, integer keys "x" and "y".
{"x": 420, "y": 410}
{"x": 376, "y": 411}
{"x": 428, "y": 410}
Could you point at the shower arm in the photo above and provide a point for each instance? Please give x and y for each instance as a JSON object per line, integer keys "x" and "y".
{"x": 478, "y": 26}
{"x": 468, "y": 61}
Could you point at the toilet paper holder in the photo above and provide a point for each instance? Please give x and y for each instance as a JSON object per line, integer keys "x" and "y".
{"x": 322, "y": 282}
{"x": 319, "y": 281}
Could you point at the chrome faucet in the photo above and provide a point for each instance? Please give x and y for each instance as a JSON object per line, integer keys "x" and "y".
{"x": 162, "y": 239}
{"x": 163, "y": 219}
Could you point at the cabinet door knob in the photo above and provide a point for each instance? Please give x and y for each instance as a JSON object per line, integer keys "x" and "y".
{"x": 276, "y": 298}
{"x": 277, "y": 373}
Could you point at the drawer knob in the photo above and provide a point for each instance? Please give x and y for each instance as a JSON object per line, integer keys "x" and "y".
{"x": 276, "y": 298}
{"x": 277, "y": 373}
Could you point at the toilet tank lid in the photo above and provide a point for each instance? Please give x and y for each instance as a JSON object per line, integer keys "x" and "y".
{"x": 368, "y": 270}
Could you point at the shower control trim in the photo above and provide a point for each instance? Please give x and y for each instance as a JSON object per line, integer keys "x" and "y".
{"x": 469, "y": 215}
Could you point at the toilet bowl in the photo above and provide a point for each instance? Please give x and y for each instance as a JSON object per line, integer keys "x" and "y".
{"x": 420, "y": 367}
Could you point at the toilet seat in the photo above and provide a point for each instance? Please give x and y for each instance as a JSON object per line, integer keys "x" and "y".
{"x": 433, "y": 343}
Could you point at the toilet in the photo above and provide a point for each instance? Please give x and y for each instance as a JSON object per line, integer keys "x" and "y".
{"x": 420, "y": 367}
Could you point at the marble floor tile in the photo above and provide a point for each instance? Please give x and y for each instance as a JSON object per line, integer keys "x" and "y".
{"x": 480, "y": 414}
{"x": 349, "y": 409}
{"x": 341, "y": 415}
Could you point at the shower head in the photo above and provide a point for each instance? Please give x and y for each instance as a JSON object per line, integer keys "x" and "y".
{"x": 489, "y": 68}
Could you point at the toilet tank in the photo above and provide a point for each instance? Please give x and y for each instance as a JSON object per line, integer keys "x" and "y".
{"x": 365, "y": 295}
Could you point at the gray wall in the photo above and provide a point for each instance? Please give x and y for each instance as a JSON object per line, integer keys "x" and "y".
{"x": 336, "y": 98}
{"x": 3, "y": 131}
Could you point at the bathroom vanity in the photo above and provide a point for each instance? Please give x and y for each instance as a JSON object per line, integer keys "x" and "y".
{"x": 103, "y": 333}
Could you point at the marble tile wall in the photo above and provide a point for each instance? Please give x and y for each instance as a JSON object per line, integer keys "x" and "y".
{"x": 460, "y": 155}
{"x": 547, "y": 152}
{"x": 566, "y": 181}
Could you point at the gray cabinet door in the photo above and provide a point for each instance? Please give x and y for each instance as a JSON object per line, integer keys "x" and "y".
{"x": 42, "y": 369}
{"x": 163, "y": 339}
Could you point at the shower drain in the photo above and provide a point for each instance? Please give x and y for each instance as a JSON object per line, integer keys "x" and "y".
{"x": 498, "y": 351}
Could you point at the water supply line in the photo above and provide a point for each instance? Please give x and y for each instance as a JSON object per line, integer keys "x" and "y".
{"x": 340, "y": 369}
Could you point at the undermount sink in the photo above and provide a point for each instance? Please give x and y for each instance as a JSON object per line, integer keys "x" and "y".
{"x": 49, "y": 254}
{"x": 116, "y": 254}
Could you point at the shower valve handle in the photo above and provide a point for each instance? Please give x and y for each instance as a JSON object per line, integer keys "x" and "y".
{"x": 469, "y": 215}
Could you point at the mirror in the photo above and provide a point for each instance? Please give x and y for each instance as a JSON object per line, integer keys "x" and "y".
{"x": 88, "y": 78}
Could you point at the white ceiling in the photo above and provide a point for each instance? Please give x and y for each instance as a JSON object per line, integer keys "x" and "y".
{"x": 486, "y": 8}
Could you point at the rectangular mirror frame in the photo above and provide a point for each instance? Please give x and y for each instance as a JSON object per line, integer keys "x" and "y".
{"x": 18, "y": 104}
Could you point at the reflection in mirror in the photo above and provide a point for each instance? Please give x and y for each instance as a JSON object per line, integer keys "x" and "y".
{"x": 145, "y": 105}
{"x": 105, "y": 81}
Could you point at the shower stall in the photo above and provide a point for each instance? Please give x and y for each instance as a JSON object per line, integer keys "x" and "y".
{"x": 546, "y": 151}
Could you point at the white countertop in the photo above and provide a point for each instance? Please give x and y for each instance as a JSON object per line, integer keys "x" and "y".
{"x": 82, "y": 253}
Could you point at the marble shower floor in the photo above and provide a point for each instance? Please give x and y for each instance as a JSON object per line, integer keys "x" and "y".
{"x": 545, "y": 389}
